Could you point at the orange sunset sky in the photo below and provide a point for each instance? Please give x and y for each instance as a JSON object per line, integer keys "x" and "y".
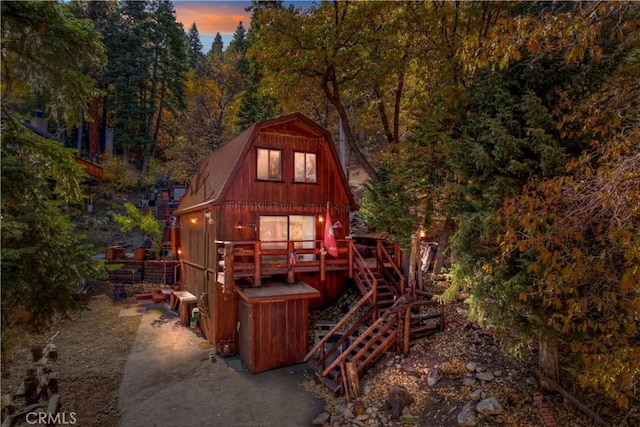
{"x": 213, "y": 17}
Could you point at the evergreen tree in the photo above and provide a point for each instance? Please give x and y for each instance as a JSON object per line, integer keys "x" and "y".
{"x": 196, "y": 56}
{"x": 45, "y": 54}
{"x": 217, "y": 48}
{"x": 237, "y": 51}
{"x": 147, "y": 70}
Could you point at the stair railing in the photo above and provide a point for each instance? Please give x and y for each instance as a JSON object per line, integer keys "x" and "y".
{"x": 338, "y": 326}
{"x": 397, "y": 280}
{"x": 386, "y": 317}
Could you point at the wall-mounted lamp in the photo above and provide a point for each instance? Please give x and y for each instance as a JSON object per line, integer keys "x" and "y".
{"x": 194, "y": 220}
{"x": 320, "y": 218}
{"x": 179, "y": 251}
{"x": 239, "y": 226}
{"x": 421, "y": 232}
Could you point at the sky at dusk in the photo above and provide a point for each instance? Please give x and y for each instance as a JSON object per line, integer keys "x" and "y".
{"x": 213, "y": 17}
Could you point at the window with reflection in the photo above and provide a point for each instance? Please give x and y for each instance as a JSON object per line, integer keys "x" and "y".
{"x": 305, "y": 167}
{"x": 275, "y": 231}
{"x": 269, "y": 164}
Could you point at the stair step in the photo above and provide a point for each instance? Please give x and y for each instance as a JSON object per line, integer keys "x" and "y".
{"x": 332, "y": 385}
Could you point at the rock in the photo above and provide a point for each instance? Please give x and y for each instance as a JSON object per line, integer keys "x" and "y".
{"x": 397, "y": 399}
{"x": 489, "y": 406}
{"x": 107, "y": 195}
{"x": 467, "y": 417}
{"x": 321, "y": 419}
{"x": 434, "y": 376}
{"x": 471, "y": 366}
{"x": 347, "y": 413}
{"x": 468, "y": 381}
{"x": 477, "y": 395}
{"x": 358, "y": 408}
{"x": 412, "y": 371}
{"x": 485, "y": 376}
{"x": 497, "y": 373}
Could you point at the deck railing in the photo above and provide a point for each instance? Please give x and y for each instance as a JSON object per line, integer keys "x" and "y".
{"x": 254, "y": 259}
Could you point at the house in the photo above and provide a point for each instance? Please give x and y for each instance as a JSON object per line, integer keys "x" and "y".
{"x": 38, "y": 124}
{"x": 252, "y": 227}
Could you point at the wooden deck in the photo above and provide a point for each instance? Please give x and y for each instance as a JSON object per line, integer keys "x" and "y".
{"x": 254, "y": 260}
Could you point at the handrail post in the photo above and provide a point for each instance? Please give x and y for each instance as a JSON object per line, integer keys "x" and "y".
{"x": 291, "y": 260}
{"x": 323, "y": 260}
{"x": 257, "y": 261}
{"x": 351, "y": 249}
{"x": 407, "y": 330}
{"x": 374, "y": 298}
{"x": 228, "y": 268}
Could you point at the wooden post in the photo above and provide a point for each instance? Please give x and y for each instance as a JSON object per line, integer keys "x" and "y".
{"x": 257, "y": 261}
{"x": 323, "y": 259}
{"x": 407, "y": 330}
{"x": 413, "y": 263}
{"x": 290, "y": 262}
{"x": 351, "y": 249}
{"x": 353, "y": 380}
{"x": 345, "y": 384}
{"x": 228, "y": 268}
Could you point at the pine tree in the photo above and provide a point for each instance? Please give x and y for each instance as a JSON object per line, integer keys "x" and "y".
{"x": 46, "y": 52}
{"x": 217, "y": 48}
{"x": 196, "y": 56}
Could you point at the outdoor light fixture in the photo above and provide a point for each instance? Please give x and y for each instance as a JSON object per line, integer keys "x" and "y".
{"x": 422, "y": 232}
{"x": 194, "y": 220}
{"x": 320, "y": 218}
{"x": 239, "y": 226}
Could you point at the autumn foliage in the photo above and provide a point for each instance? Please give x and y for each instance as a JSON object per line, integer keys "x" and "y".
{"x": 578, "y": 236}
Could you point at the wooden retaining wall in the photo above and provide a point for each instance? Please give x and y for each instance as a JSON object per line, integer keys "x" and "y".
{"x": 134, "y": 271}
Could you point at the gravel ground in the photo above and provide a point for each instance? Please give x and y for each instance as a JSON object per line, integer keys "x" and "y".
{"x": 93, "y": 346}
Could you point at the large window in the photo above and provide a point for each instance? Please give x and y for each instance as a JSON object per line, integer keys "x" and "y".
{"x": 269, "y": 164}
{"x": 305, "y": 167}
{"x": 275, "y": 231}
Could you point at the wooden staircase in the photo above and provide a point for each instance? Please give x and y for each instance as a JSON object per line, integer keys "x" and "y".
{"x": 388, "y": 316}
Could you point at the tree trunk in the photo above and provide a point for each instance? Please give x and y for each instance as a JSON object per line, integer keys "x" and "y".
{"x": 331, "y": 89}
{"x": 548, "y": 354}
{"x": 443, "y": 244}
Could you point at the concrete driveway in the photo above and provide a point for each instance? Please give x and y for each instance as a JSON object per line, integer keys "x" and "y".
{"x": 169, "y": 381}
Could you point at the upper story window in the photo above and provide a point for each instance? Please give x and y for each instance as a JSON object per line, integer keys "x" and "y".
{"x": 305, "y": 167}
{"x": 269, "y": 164}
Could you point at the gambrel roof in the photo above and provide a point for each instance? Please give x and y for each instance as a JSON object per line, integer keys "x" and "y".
{"x": 217, "y": 171}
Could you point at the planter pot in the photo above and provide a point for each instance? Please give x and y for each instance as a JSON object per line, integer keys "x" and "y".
{"x": 139, "y": 254}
